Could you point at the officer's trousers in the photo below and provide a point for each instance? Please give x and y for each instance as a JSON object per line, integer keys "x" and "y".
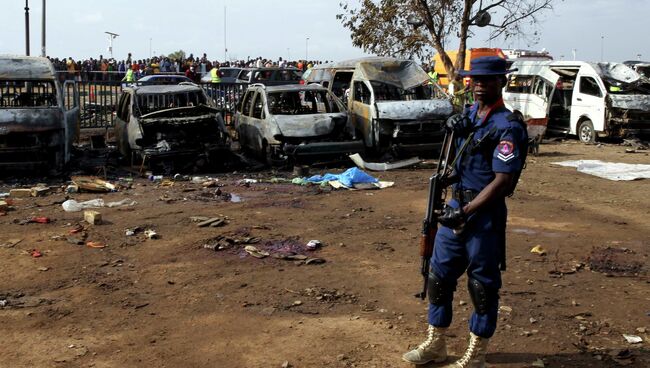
{"x": 478, "y": 250}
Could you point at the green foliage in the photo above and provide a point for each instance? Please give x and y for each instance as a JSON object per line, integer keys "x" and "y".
{"x": 419, "y": 28}
{"x": 178, "y": 55}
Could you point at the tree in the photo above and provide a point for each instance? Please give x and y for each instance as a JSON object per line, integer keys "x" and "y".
{"x": 407, "y": 28}
{"x": 178, "y": 55}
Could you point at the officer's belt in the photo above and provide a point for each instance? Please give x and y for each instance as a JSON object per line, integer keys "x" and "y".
{"x": 464, "y": 196}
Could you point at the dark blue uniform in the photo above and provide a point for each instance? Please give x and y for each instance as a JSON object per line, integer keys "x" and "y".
{"x": 497, "y": 147}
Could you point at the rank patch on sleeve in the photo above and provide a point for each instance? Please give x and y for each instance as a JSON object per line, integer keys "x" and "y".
{"x": 506, "y": 151}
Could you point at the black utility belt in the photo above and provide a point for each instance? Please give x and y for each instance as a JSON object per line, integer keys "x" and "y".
{"x": 464, "y": 196}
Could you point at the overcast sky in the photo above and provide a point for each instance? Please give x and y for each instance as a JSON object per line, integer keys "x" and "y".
{"x": 279, "y": 28}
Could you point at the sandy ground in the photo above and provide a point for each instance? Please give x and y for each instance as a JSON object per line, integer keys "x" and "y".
{"x": 170, "y": 302}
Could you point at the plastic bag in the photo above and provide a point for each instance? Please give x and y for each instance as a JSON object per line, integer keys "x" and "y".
{"x": 123, "y": 203}
{"x": 73, "y": 206}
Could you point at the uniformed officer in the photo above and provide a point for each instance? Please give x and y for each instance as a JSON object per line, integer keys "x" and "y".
{"x": 472, "y": 235}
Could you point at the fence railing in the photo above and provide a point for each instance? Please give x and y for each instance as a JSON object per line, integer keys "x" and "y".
{"x": 98, "y": 99}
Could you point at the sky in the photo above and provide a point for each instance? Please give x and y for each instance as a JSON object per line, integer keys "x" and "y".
{"x": 288, "y": 29}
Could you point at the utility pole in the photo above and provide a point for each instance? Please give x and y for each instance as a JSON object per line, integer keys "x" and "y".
{"x": 307, "y": 49}
{"x": 27, "y": 27}
{"x": 43, "y": 53}
{"x": 225, "y": 45}
{"x": 149, "y": 48}
{"x": 574, "y": 51}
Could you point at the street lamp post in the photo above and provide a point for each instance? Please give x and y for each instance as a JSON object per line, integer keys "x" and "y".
{"x": 307, "y": 49}
{"x": 111, "y": 37}
{"x": 43, "y": 53}
{"x": 27, "y": 27}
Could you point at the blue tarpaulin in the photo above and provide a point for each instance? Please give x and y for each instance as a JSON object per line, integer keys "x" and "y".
{"x": 348, "y": 178}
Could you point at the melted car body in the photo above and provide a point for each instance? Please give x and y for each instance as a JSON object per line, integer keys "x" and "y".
{"x": 294, "y": 121}
{"x": 172, "y": 124}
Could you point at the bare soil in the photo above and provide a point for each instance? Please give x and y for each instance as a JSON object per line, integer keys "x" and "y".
{"x": 171, "y": 302}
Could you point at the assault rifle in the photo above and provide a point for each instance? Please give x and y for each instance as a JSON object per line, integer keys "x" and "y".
{"x": 438, "y": 183}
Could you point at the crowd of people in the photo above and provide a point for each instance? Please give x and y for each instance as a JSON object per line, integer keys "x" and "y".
{"x": 110, "y": 69}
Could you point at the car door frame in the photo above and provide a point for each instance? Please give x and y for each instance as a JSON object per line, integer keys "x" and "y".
{"x": 72, "y": 116}
{"x": 362, "y": 115}
{"x": 586, "y": 106}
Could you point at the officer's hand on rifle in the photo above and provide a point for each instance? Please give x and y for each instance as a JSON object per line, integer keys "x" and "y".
{"x": 459, "y": 123}
{"x": 453, "y": 218}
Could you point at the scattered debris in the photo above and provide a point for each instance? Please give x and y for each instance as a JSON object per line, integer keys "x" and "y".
{"x": 123, "y": 203}
{"x": 352, "y": 178}
{"x": 253, "y": 251}
{"x": 133, "y": 231}
{"x": 10, "y": 243}
{"x": 633, "y": 339}
{"x": 314, "y": 244}
{"x": 93, "y": 184}
{"x": 40, "y": 220}
{"x": 35, "y": 253}
{"x": 93, "y": 217}
{"x": 538, "y": 364}
{"x": 151, "y": 234}
{"x": 210, "y": 222}
{"x": 40, "y": 191}
{"x": 97, "y": 245}
{"x": 356, "y": 158}
{"x": 20, "y": 193}
{"x": 315, "y": 261}
{"x": 538, "y": 250}
{"x": 73, "y": 206}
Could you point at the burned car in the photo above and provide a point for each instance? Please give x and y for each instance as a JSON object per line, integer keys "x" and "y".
{"x": 38, "y": 121}
{"x": 173, "y": 126}
{"x": 294, "y": 121}
{"x": 389, "y": 103}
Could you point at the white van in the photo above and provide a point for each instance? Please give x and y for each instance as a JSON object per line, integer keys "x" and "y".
{"x": 589, "y": 100}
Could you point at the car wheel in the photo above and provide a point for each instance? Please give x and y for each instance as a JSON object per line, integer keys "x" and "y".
{"x": 586, "y": 132}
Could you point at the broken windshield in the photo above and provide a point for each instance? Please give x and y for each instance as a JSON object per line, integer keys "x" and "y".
{"x": 621, "y": 79}
{"x": 301, "y": 103}
{"x": 389, "y": 92}
{"x": 148, "y": 103}
{"x": 19, "y": 94}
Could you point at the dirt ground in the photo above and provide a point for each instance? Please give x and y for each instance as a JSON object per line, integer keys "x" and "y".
{"x": 170, "y": 302}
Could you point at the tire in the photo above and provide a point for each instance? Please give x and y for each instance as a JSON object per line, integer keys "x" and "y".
{"x": 586, "y": 132}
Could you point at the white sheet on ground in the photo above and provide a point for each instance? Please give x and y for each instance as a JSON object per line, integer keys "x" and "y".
{"x": 609, "y": 170}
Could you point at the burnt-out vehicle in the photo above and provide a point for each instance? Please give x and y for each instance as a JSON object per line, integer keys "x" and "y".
{"x": 173, "y": 126}
{"x": 389, "y": 103}
{"x": 302, "y": 123}
{"x": 38, "y": 121}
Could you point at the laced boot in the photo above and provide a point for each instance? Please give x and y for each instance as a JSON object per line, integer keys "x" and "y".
{"x": 474, "y": 357}
{"x": 433, "y": 349}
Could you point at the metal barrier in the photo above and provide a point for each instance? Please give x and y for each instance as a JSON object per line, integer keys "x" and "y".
{"x": 98, "y": 99}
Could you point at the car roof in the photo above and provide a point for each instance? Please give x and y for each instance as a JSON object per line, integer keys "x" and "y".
{"x": 290, "y": 87}
{"x": 156, "y": 76}
{"x": 165, "y": 88}
{"x": 272, "y": 68}
{"x": 352, "y": 63}
{"x": 26, "y": 68}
